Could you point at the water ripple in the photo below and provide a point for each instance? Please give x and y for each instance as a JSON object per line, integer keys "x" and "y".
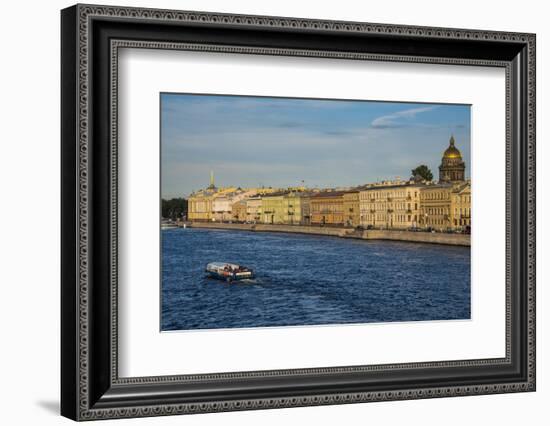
{"x": 306, "y": 280}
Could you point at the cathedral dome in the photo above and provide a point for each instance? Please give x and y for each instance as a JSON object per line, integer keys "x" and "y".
{"x": 452, "y": 151}
{"x": 452, "y": 167}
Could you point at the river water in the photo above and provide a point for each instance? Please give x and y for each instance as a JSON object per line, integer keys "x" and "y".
{"x": 307, "y": 280}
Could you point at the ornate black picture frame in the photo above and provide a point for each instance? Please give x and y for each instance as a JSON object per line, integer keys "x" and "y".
{"x": 91, "y": 37}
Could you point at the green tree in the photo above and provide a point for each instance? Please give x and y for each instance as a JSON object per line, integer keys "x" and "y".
{"x": 422, "y": 172}
{"x": 174, "y": 209}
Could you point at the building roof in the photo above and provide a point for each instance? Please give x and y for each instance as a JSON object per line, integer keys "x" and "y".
{"x": 329, "y": 194}
{"x": 275, "y": 194}
{"x": 287, "y": 192}
{"x": 462, "y": 187}
{"x": 407, "y": 184}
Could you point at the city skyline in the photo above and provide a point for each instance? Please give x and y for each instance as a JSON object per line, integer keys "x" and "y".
{"x": 284, "y": 142}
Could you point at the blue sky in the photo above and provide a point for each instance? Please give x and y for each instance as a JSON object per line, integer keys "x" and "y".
{"x": 280, "y": 142}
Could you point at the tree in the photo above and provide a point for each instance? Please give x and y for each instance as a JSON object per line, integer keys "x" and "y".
{"x": 422, "y": 172}
{"x": 174, "y": 208}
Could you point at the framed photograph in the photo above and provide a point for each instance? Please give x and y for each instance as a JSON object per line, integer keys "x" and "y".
{"x": 263, "y": 212}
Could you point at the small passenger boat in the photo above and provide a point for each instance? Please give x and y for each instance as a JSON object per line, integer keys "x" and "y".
{"x": 228, "y": 271}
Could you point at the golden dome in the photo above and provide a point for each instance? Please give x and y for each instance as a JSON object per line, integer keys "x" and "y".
{"x": 451, "y": 151}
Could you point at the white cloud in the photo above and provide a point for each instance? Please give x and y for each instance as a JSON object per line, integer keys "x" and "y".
{"x": 396, "y": 119}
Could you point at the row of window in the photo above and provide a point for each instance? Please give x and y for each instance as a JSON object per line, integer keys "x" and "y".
{"x": 436, "y": 210}
{"x": 368, "y": 195}
{"x": 462, "y": 211}
{"x": 398, "y": 218}
{"x": 391, "y": 206}
{"x": 202, "y": 207}
{"x": 331, "y": 209}
{"x": 433, "y": 195}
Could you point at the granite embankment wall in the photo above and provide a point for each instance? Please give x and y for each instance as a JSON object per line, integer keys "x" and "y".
{"x": 419, "y": 237}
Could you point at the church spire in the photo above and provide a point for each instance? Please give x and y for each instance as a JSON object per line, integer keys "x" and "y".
{"x": 212, "y": 186}
{"x": 452, "y": 140}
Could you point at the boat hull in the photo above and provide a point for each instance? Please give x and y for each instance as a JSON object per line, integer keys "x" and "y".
{"x": 230, "y": 276}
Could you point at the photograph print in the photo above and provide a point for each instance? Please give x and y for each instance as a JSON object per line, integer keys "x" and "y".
{"x": 279, "y": 212}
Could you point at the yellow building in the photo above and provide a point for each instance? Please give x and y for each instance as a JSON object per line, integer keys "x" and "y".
{"x": 303, "y": 207}
{"x": 200, "y": 202}
{"x": 254, "y": 209}
{"x": 272, "y": 208}
{"x": 297, "y": 204}
{"x": 351, "y": 208}
{"x": 435, "y": 206}
{"x": 222, "y": 203}
{"x": 327, "y": 208}
{"x": 253, "y": 201}
{"x": 238, "y": 211}
{"x": 393, "y": 205}
{"x": 200, "y": 205}
{"x": 214, "y": 204}
{"x": 285, "y": 207}
{"x": 461, "y": 202}
{"x": 446, "y": 206}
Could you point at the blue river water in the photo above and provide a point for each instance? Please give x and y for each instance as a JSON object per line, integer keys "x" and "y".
{"x": 307, "y": 280}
